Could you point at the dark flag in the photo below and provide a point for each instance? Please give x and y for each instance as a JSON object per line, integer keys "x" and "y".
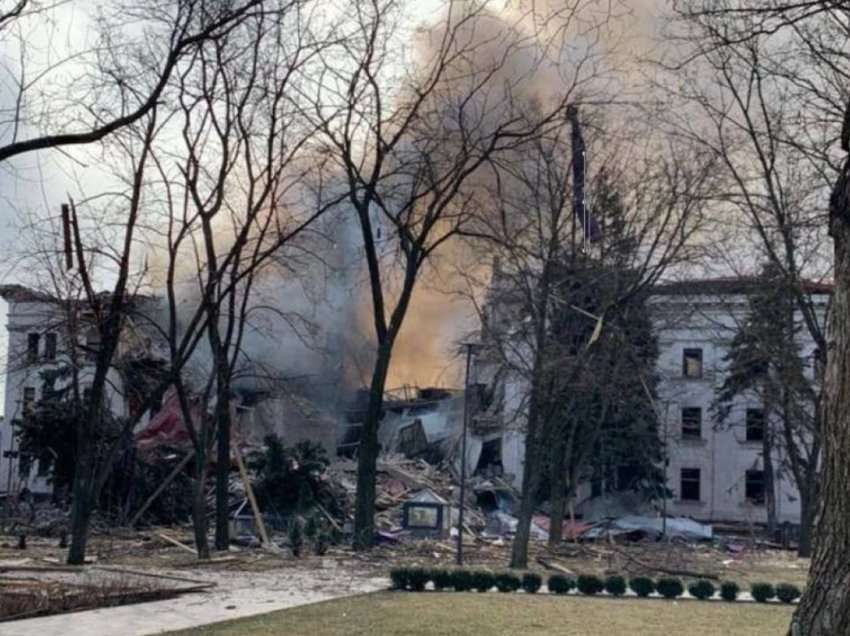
{"x": 66, "y": 235}
{"x": 592, "y": 231}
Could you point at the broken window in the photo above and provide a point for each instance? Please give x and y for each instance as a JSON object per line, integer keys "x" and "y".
{"x": 692, "y": 422}
{"x": 50, "y": 346}
{"x": 92, "y": 344}
{"x": 596, "y": 488}
{"x": 490, "y": 459}
{"x": 690, "y": 484}
{"x": 755, "y": 425}
{"x": 32, "y": 347}
{"x": 29, "y": 400}
{"x": 412, "y": 440}
{"x": 754, "y": 487}
{"x": 692, "y": 363}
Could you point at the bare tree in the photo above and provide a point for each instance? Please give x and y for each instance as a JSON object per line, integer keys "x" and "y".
{"x": 244, "y": 185}
{"x": 760, "y": 109}
{"x": 538, "y": 320}
{"x": 233, "y": 202}
{"x": 821, "y": 29}
{"x": 132, "y": 90}
{"x": 411, "y": 136}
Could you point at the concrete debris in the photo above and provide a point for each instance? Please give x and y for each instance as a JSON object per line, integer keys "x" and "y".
{"x": 651, "y": 528}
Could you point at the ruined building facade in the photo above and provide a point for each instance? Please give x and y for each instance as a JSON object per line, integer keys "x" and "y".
{"x": 714, "y": 471}
{"x": 38, "y": 327}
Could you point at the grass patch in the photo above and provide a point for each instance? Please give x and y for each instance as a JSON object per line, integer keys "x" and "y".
{"x": 453, "y": 614}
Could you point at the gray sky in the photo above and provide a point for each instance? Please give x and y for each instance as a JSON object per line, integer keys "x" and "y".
{"x": 39, "y": 182}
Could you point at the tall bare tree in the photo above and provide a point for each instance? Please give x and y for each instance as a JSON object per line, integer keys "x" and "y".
{"x": 412, "y": 136}
{"x": 244, "y": 185}
{"x": 545, "y": 273}
{"x": 764, "y": 112}
{"x": 820, "y": 30}
{"x": 131, "y": 89}
{"x": 234, "y": 198}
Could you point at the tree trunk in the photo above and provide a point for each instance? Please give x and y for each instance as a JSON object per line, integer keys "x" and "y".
{"x": 558, "y": 491}
{"x": 364, "y": 504}
{"x": 769, "y": 485}
{"x": 222, "y": 471}
{"x": 199, "y": 508}
{"x": 824, "y": 609}
{"x": 531, "y": 472}
{"x": 82, "y": 505}
{"x": 808, "y": 499}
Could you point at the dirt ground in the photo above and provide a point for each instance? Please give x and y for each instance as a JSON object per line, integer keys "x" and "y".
{"x": 147, "y": 549}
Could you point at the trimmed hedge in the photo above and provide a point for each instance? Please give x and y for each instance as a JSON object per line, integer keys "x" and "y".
{"x": 729, "y": 591}
{"x": 462, "y": 580}
{"x": 787, "y": 593}
{"x": 762, "y": 592}
{"x": 560, "y": 584}
{"x": 442, "y": 579}
{"x": 399, "y": 578}
{"x": 531, "y": 582}
{"x": 589, "y": 584}
{"x": 643, "y": 586}
{"x": 669, "y": 587}
{"x": 483, "y": 581}
{"x": 507, "y": 582}
{"x": 615, "y": 585}
{"x": 416, "y": 579}
{"x": 701, "y": 589}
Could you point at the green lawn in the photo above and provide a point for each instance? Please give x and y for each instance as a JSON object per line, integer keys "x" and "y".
{"x": 494, "y": 614}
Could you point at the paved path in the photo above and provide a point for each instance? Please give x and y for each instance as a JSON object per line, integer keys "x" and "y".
{"x": 238, "y": 594}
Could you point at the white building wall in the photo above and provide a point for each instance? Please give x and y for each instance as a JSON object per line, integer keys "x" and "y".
{"x": 24, "y": 318}
{"x": 722, "y": 454}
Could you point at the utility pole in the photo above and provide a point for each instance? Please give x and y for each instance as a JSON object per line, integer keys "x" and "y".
{"x": 469, "y": 347}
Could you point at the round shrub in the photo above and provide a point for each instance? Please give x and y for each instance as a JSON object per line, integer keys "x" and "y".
{"x": 560, "y": 584}
{"x": 669, "y": 587}
{"x": 615, "y": 585}
{"x": 507, "y": 582}
{"x": 701, "y": 589}
{"x": 787, "y": 593}
{"x": 531, "y": 582}
{"x": 400, "y": 578}
{"x": 729, "y": 591}
{"x": 643, "y": 586}
{"x": 483, "y": 581}
{"x": 461, "y": 580}
{"x": 441, "y": 579}
{"x": 418, "y": 578}
{"x": 589, "y": 584}
{"x": 762, "y": 592}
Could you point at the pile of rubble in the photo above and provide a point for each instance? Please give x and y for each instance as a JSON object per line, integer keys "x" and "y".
{"x": 400, "y": 481}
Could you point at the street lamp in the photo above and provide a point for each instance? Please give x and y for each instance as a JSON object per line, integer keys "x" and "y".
{"x": 470, "y": 347}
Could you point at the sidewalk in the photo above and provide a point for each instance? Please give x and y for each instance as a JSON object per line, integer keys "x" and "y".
{"x": 238, "y": 594}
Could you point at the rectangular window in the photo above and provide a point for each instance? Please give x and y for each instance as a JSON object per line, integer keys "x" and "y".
{"x": 692, "y": 363}
{"x": 50, "y": 346}
{"x": 32, "y": 347}
{"x": 92, "y": 344}
{"x": 755, "y": 425}
{"x": 754, "y": 487}
{"x": 690, "y": 486}
{"x": 692, "y": 422}
{"x": 29, "y": 400}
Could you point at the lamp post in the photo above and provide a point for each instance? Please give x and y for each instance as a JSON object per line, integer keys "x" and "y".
{"x": 469, "y": 350}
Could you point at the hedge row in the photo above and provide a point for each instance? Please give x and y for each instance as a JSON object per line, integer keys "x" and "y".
{"x": 416, "y": 579}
